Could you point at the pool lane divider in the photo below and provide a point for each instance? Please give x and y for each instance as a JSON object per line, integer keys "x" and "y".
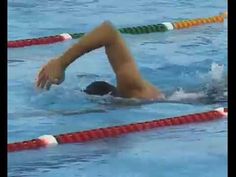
{"x": 165, "y": 26}
{"x": 100, "y": 133}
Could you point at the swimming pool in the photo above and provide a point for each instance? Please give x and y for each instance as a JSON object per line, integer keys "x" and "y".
{"x": 179, "y": 62}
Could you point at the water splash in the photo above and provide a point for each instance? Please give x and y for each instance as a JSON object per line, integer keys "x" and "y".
{"x": 216, "y": 72}
{"x": 181, "y": 95}
{"x": 213, "y": 88}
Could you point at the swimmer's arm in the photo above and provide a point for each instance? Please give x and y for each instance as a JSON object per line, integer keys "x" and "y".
{"x": 129, "y": 80}
{"x": 119, "y": 56}
{"x": 106, "y": 36}
{"x": 99, "y": 37}
{"x": 103, "y": 35}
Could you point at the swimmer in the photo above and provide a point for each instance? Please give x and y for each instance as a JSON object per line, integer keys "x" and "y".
{"x": 129, "y": 81}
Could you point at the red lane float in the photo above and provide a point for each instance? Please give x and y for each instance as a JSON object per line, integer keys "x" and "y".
{"x": 94, "y": 134}
{"x": 39, "y": 41}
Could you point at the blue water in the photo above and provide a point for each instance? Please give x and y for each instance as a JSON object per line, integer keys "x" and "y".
{"x": 189, "y": 65}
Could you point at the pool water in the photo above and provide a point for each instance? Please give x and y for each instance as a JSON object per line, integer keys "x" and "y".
{"x": 189, "y": 66}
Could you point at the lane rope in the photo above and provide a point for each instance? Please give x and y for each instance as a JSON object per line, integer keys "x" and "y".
{"x": 165, "y": 26}
{"x": 99, "y": 133}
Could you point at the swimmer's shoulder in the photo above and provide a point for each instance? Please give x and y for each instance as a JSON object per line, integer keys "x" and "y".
{"x": 150, "y": 93}
{"x": 145, "y": 91}
{"x": 154, "y": 93}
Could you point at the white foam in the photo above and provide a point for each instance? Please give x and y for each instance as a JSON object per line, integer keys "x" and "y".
{"x": 215, "y": 74}
{"x": 216, "y": 71}
{"x": 182, "y": 95}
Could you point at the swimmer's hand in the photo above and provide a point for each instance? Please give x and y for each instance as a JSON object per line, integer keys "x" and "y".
{"x": 51, "y": 73}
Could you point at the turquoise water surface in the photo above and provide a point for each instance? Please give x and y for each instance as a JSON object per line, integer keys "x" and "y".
{"x": 188, "y": 65}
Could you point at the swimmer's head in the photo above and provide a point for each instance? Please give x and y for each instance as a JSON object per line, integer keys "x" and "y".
{"x": 101, "y": 88}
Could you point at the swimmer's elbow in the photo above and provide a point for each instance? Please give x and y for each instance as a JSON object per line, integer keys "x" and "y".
{"x": 110, "y": 28}
{"x": 108, "y": 24}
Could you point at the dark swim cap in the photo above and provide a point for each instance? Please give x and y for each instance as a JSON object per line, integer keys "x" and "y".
{"x": 101, "y": 88}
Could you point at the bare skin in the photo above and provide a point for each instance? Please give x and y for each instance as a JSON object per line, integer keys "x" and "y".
{"x": 130, "y": 83}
